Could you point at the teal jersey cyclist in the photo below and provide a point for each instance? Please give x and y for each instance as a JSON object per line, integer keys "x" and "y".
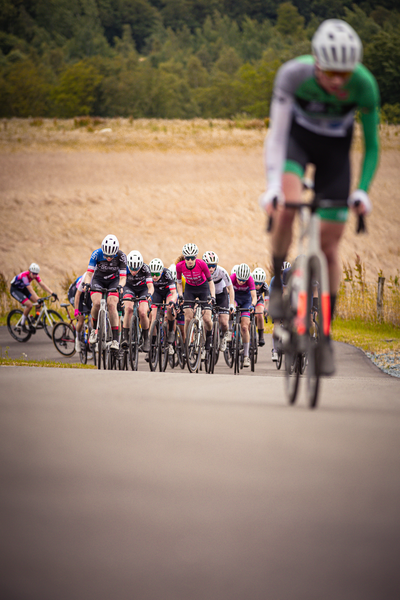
{"x": 313, "y": 109}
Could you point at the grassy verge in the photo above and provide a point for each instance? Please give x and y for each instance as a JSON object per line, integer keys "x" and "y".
{"x": 370, "y": 337}
{"x": 5, "y": 361}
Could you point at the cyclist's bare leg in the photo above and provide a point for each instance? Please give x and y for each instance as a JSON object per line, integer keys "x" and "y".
{"x": 207, "y": 320}
{"x": 331, "y": 233}
{"x": 245, "y": 329}
{"x": 224, "y": 323}
{"x": 128, "y": 304}
{"x": 143, "y": 318}
{"x": 96, "y": 299}
{"x": 112, "y": 302}
{"x": 188, "y": 312}
{"x": 292, "y": 188}
{"x": 27, "y": 306}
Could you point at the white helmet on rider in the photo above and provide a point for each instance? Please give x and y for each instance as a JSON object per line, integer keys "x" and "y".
{"x": 336, "y": 46}
{"x": 34, "y": 268}
{"x": 110, "y": 245}
{"x": 243, "y": 272}
{"x": 259, "y": 275}
{"x": 135, "y": 260}
{"x": 210, "y": 257}
{"x": 172, "y": 268}
{"x": 190, "y": 250}
{"x": 156, "y": 266}
{"x": 286, "y": 265}
{"x": 234, "y": 269}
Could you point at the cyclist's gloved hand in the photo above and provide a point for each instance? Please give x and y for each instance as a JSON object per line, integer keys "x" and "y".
{"x": 213, "y": 301}
{"x": 270, "y": 199}
{"x": 77, "y": 312}
{"x": 364, "y": 204}
{"x": 252, "y": 308}
{"x": 180, "y": 299}
{"x": 231, "y": 308}
{"x": 54, "y": 295}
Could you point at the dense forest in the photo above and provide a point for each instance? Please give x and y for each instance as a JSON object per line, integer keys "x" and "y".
{"x": 174, "y": 58}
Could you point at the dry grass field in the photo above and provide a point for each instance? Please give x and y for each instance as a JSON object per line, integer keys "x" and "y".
{"x": 157, "y": 185}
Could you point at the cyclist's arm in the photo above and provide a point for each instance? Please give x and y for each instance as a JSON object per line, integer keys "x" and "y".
{"x": 150, "y": 288}
{"x": 179, "y": 287}
{"x": 275, "y": 145}
{"x": 44, "y": 287}
{"x": 212, "y": 288}
{"x": 173, "y": 294}
{"x": 253, "y": 297}
{"x": 76, "y": 299}
{"x": 369, "y": 122}
{"x": 122, "y": 280}
{"x": 231, "y": 293}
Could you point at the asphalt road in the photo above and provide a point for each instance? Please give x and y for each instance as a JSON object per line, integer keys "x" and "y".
{"x": 172, "y": 486}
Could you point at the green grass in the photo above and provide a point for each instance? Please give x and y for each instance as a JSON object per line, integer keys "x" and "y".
{"x": 22, "y": 362}
{"x": 370, "y": 337}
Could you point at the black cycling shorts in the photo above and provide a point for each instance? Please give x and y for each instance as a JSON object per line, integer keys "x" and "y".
{"x": 202, "y": 292}
{"x": 222, "y": 300}
{"x": 100, "y": 282}
{"x": 131, "y": 293}
{"x": 330, "y": 155}
{"x": 160, "y": 295}
{"x": 20, "y": 295}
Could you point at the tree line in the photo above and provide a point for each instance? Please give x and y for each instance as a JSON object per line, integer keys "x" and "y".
{"x": 174, "y": 58}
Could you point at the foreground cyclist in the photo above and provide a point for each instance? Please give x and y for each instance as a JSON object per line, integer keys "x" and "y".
{"x": 224, "y": 294}
{"x": 21, "y": 289}
{"x": 246, "y": 298}
{"x": 312, "y": 116}
{"x": 107, "y": 269}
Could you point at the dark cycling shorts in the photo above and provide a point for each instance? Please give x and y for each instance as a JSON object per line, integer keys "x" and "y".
{"x": 160, "y": 295}
{"x": 83, "y": 308}
{"x": 131, "y": 293}
{"x": 99, "y": 282}
{"x": 222, "y": 300}
{"x": 243, "y": 300}
{"x": 20, "y": 295}
{"x": 202, "y": 292}
{"x": 331, "y": 157}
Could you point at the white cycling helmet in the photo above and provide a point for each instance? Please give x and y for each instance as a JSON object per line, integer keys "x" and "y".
{"x": 34, "y": 268}
{"x": 110, "y": 245}
{"x": 234, "y": 269}
{"x": 156, "y": 266}
{"x": 190, "y": 250}
{"x": 135, "y": 260}
{"x": 172, "y": 268}
{"x": 210, "y": 257}
{"x": 336, "y": 46}
{"x": 259, "y": 275}
{"x": 286, "y": 265}
{"x": 243, "y": 272}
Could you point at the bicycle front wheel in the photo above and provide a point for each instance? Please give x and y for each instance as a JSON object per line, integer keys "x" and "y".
{"x": 253, "y": 345}
{"x": 133, "y": 344}
{"x": 101, "y": 342}
{"x": 292, "y": 375}
{"x": 154, "y": 345}
{"x": 50, "y": 319}
{"x": 15, "y": 328}
{"x": 315, "y": 341}
{"x": 237, "y": 344}
{"x": 193, "y": 346}
{"x": 64, "y": 339}
{"x": 180, "y": 348}
{"x": 164, "y": 347}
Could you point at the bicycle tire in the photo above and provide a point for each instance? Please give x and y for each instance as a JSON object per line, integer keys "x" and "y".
{"x": 214, "y": 346}
{"x": 164, "y": 348}
{"x": 50, "y": 320}
{"x": 101, "y": 342}
{"x": 314, "y": 344}
{"x": 253, "y": 345}
{"x": 83, "y": 352}
{"x": 15, "y": 330}
{"x": 236, "y": 357}
{"x": 64, "y": 339}
{"x": 154, "y": 345}
{"x": 133, "y": 344}
{"x": 292, "y": 375}
{"x": 180, "y": 348}
{"x": 228, "y": 353}
{"x": 193, "y": 346}
{"x": 278, "y": 363}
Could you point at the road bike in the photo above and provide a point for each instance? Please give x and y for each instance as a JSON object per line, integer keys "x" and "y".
{"x": 195, "y": 337}
{"x": 135, "y": 337}
{"x": 212, "y": 352}
{"x": 253, "y": 348}
{"x": 44, "y": 318}
{"x": 303, "y": 332}
{"x": 159, "y": 346}
{"x": 178, "y": 357}
{"x": 106, "y": 357}
{"x": 237, "y": 341}
{"x": 64, "y": 335}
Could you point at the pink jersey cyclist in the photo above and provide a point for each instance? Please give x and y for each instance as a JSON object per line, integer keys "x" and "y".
{"x": 195, "y": 276}
{"x": 246, "y": 286}
{"x": 22, "y": 290}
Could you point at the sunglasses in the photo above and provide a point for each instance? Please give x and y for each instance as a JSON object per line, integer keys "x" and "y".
{"x": 155, "y": 274}
{"x": 242, "y": 280}
{"x": 342, "y": 74}
{"x": 190, "y": 258}
{"x": 212, "y": 266}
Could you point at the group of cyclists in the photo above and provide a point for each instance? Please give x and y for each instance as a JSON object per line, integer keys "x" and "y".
{"x": 315, "y": 101}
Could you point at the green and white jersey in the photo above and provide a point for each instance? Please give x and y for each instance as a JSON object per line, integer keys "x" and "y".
{"x": 298, "y": 95}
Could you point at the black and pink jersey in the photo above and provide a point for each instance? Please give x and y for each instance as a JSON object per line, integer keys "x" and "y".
{"x": 196, "y": 276}
{"x": 104, "y": 269}
{"x": 262, "y": 292}
{"x": 142, "y": 277}
{"x": 248, "y": 286}
{"x": 166, "y": 281}
{"x": 24, "y": 279}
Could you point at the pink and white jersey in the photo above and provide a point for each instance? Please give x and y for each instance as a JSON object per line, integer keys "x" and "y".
{"x": 248, "y": 286}
{"x": 24, "y": 279}
{"x": 196, "y": 276}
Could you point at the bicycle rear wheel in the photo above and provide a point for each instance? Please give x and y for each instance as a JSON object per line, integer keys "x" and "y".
{"x": 154, "y": 345}
{"x": 15, "y": 328}
{"x": 180, "y": 348}
{"x": 278, "y": 363}
{"x": 214, "y": 347}
{"x": 228, "y": 353}
{"x": 101, "y": 342}
{"x": 253, "y": 345}
{"x": 314, "y": 346}
{"x": 64, "y": 339}
{"x": 164, "y": 347}
{"x": 237, "y": 344}
{"x": 193, "y": 346}
{"x": 50, "y": 320}
{"x": 133, "y": 344}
